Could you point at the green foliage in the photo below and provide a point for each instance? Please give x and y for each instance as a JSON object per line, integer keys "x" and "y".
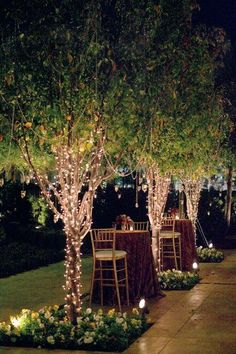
{"x": 94, "y": 331}
{"x": 177, "y": 280}
{"x": 209, "y": 255}
{"x": 39, "y": 209}
{"x": 19, "y": 257}
{"x": 140, "y": 65}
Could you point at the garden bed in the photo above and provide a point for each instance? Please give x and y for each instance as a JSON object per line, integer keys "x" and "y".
{"x": 49, "y": 328}
{"x": 177, "y": 280}
{"x": 209, "y": 255}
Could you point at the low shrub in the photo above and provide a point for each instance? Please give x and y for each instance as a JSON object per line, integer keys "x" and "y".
{"x": 43, "y": 237}
{"x": 50, "y": 328}
{"x": 177, "y": 280}
{"x": 19, "y": 257}
{"x": 209, "y": 255}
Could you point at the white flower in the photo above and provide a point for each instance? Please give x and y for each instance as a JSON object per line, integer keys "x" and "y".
{"x": 51, "y": 319}
{"x": 125, "y": 326}
{"x": 47, "y": 315}
{"x": 79, "y": 320}
{"x": 88, "y": 340}
{"x": 119, "y": 320}
{"x": 97, "y": 318}
{"x": 50, "y": 340}
{"x": 88, "y": 311}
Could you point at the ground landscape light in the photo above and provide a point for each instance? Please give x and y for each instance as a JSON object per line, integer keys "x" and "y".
{"x": 210, "y": 245}
{"x": 195, "y": 266}
{"x": 142, "y": 304}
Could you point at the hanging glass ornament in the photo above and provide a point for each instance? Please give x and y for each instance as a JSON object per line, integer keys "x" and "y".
{"x": 1, "y": 182}
{"x": 139, "y": 188}
{"x": 144, "y": 187}
{"x": 116, "y": 187}
{"x": 22, "y": 178}
{"x": 23, "y": 194}
{"x": 119, "y": 196}
{"x": 27, "y": 179}
{"x": 136, "y": 205}
{"x": 55, "y": 218}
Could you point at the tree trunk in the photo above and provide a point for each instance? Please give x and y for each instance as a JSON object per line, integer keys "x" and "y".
{"x": 192, "y": 190}
{"x": 72, "y": 277}
{"x": 158, "y": 186}
{"x": 228, "y": 203}
{"x": 155, "y": 247}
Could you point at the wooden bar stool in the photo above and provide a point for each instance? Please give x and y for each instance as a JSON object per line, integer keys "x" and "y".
{"x": 109, "y": 265}
{"x": 170, "y": 243}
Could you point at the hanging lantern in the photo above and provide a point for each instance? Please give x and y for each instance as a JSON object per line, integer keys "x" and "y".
{"x": 55, "y": 218}
{"x": 23, "y": 194}
{"x": 119, "y": 196}
{"x": 136, "y": 205}
{"x": 1, "y": 182}
{"x": 27, "y": 179}
{"x": 22, "y": 178}
{"x": 144, "y": 187}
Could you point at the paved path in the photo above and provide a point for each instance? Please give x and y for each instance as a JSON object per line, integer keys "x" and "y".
{"x": 199, "y": 321}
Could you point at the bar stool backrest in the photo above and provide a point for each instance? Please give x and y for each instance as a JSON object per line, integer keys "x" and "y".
{"x": 141, "y": 225}
{"x": 103, "y": 239}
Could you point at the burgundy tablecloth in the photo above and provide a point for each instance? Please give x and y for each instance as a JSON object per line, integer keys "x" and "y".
{"x": 189, "y": 253}
{"x": 141, "y": 271}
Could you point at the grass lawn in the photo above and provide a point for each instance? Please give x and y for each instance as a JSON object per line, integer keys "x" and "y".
{"x": 37, "y": 288}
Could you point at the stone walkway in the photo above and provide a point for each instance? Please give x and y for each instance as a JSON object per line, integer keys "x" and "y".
{"x": 199, "y": 321}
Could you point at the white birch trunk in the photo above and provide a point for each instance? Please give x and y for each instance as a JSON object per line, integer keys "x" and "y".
{"x": 192, "y": 191}
{"x": 158, "y": 186}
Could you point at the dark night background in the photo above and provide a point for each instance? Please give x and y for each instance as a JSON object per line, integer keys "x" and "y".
{"x": 219, "y": 13}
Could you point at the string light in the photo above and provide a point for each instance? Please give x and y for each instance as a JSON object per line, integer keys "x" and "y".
{"x": 158, "y": 187}
{"x": 192, "y": 191}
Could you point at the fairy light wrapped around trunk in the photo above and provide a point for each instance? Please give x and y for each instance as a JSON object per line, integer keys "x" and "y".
{"x": 158, "y": 187}
{"x": 192, "y": 191}
{"x": 78, "y": 174}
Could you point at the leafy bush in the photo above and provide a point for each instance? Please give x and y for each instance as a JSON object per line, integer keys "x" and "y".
{"x": 42, "y": 238}
{"x": 40, "y": 209}
{"x": 177, "y": 280}
{"x": 50, "y": 328}
{"x": 209, "y": 255}
{"x": 19, "y": 257}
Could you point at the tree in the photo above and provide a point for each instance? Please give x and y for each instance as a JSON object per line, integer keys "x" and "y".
{"x": 66, "y": 107}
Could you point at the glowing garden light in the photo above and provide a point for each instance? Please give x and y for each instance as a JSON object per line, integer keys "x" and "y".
{"x": 195, "y": 266}
{"x": 142, "y": 304}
